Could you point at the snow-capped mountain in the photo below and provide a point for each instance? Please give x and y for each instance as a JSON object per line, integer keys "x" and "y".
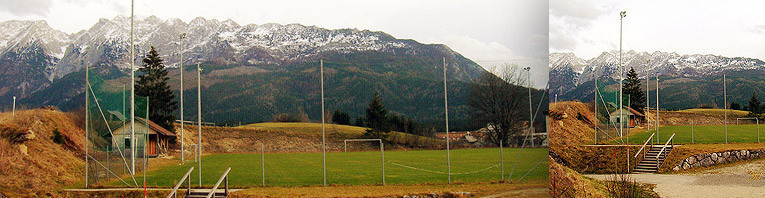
{"x": 570, "y": 70}
{"x": 265, "y": 69}
{"x": 223, "y": 42}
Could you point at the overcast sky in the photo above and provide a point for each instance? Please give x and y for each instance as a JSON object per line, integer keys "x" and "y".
{"x": 490, "y": 32}
{"x": 728, "y": 28}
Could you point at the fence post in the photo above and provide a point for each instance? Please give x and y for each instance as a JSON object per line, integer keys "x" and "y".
{"x": 501, "y": 161}
{"x": 262, "y": 166}
{"x": 692, "y": 132}
{"x": 382, "y": 151}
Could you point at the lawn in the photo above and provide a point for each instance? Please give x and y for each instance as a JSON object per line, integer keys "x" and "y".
{"x": 357, "y": 168}
{"x": 703, "y": 134}
{"x": 736, "y": 113}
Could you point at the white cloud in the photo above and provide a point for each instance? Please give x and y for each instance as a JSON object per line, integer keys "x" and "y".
{"x": 727, "y": 28}
{"x": 26, "y": 7}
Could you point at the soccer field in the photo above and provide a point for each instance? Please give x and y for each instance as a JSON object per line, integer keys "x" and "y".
{"x": 704, "y": 134}
{"x": 353, "y": 168}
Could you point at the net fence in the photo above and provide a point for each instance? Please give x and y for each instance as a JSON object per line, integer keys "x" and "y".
{"x": 611, "y": 118}
{"x": 114, "y": 150}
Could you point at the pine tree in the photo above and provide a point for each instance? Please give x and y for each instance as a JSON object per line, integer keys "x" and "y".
{"x": 153, "y": 84}
{"x": 755, "y": 107}
{"x": 633, "y": 89}
{"x": 377, "y": 119}
{"x": 341, "y": 118}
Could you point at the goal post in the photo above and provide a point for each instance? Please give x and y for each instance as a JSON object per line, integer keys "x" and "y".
{"x": 757, "y": 121}
{"x": 382, "y": 151}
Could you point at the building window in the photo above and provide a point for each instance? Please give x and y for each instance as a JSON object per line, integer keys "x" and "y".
{"x": 127, "y": 142}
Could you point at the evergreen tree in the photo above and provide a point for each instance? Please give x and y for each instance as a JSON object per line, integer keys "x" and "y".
{"x": 735, "y": 106}
{"x": 633, "y": 89}
{"x": 376, "y": 119}
{"x": 152, "y": 83}
{"x": 755, "y": 107}
{"x": 342, "y": 118}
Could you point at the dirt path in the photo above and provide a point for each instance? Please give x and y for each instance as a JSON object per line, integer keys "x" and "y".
{"x": 732, "y": 181}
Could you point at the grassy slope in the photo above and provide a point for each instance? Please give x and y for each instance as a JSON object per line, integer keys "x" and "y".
{"x": 47, "y": 166}
{"x": 353, "y": 168}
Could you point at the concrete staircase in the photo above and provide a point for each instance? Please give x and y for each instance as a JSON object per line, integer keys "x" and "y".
{"x": 202, "y": 193}
{"x": 650, "y": 164}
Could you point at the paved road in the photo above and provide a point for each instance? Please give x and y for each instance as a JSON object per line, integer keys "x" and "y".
{"x": 732, "y": 181}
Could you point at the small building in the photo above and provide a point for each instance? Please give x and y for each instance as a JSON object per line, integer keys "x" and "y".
{"x": 635, "y": 117}
{"x": 158, "y": 138}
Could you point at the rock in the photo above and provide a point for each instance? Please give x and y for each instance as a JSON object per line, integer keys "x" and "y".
{"x": 714, "y": 157}
{"x": 23, "y": 149}
{"x": 692, "y": 160}
{"x": 707, "y": 162}
{"x": 29, "y": 135}
{"x": 686, "y": 165}
{"x": 726, "y": 154}
{"x": 676, "y": 168}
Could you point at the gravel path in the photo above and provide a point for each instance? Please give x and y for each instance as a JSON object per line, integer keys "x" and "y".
{"x": 733, "y": 181}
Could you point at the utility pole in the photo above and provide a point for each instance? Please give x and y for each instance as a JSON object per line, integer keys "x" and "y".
{"x": 132, "y": 91}
{"x": 657, "y": 109}
{"x": 181, "y": 67}
{"x": 199, "y": 121}
{"x": 725, "y": 105}
{"x": 323, "y": 139}
{"x": 446, "y": 110}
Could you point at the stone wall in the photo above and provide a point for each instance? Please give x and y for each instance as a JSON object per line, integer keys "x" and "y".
{"x": 711, "y": 159}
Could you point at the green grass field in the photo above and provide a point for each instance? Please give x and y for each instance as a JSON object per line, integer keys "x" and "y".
{"x": 353, "y": 168}
{"x": 704, "y": 134}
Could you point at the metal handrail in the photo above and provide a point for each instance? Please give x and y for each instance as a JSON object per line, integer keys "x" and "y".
{"x": 663, "y": 148}
{"x": 222, "y": 177}
{"x": 643, "y": 147}
{"x": 184, "y": 178}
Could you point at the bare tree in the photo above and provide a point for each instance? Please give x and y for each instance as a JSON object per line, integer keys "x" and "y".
{"x": 499, "y": 100}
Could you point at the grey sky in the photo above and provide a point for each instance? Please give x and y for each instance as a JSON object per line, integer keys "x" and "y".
{"x": 490, "y": 32}
{"x": 728, "y": 28}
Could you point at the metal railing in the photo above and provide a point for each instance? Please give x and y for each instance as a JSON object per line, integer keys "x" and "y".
{"x": 643, "y": 148}
{"x": 178, "y": 185}
{"x": 222, "y": 178}
{"x": 664, "y": 148}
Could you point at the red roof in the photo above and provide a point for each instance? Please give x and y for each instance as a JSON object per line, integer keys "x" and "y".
{"x": 157, "y": 128}
{"x": 635, "y": 112}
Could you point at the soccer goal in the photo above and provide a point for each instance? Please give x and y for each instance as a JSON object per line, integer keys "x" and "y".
{"x": 382, "y": 151}
{"x": 756, "y": 120}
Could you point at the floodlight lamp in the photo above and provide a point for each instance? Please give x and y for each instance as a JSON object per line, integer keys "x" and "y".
{"x": 623, "y": 14}
{"x": 183, "y": 35}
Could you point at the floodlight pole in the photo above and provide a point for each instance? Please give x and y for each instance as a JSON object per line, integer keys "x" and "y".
{"x": 657, "y": 109}
{"x": 87, "y": 85}
{"x": 323, "y": 138}
{"x": 596, "y": 111}
{"x": 199, "y": 120}
{"x": 622, "y": 14}
{"x": 725, "y": 105}
{"x": 181, "y": 67}
{"x": 531, "y": 114}
{"x": 132, "y": 91}
{"x": 446, "y": 111}
{"x": 647, "y": 98}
